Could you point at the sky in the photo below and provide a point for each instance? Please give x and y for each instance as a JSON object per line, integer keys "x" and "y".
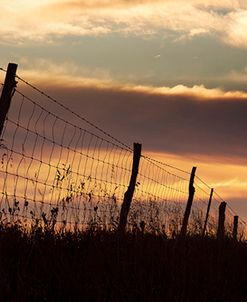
{"x": 169, "y": 74}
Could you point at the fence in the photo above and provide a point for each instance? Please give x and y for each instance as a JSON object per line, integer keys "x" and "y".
{"x": 60, "y": 170}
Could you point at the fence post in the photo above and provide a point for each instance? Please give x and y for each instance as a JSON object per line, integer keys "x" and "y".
{"x": 189, "y": 203}
{"x": 207, "y": 214}
{"x": 235, "y": 228}
{"x": 7, "y": 93}
{"x": 221, "y": 220}
{"x": 130, "y": 191}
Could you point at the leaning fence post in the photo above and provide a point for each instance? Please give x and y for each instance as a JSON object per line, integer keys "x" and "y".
{"x": 207, "y": 214}
{"x": 189, "y": 203}
{"x": 235, "y": 228}
{"x": 221, "y": 220}
{"x": 130, "y": 191}
{"x": 7, "y": 93}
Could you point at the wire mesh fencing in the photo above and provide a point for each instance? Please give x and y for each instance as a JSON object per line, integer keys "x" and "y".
{"x": 59, "y": 170}
{"x": 160, "y": 197}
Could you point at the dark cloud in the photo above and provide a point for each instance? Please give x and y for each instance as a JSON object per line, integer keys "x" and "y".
{"x": 179, "y": 124}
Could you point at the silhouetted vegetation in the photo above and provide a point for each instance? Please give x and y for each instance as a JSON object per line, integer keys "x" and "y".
{"x": 40, "y": 265}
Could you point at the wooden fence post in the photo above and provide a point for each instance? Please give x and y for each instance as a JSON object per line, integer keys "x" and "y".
{"x": 207, "y": 214}
{"x": 221, "y": 221}
{"x": 7, "y": 93}
{"x": 130, "y": 191}
{"x": 235, "y": 228}
{"x": 189, "y": 203}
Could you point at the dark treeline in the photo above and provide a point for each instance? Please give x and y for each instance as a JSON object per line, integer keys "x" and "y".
{"x": 102, "y": 266}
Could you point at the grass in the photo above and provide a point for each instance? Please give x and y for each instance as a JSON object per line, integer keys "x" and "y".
{"x": 41, "y": 265}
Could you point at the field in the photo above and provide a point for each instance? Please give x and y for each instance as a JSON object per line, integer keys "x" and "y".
{"x": 104, "y": 266}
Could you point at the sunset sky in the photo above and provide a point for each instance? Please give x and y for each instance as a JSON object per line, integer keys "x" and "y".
{"x": 171, "y": 75}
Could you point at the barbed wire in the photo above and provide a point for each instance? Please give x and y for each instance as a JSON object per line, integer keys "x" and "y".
{"x": 165, "y": 164}
{"x": 74, "y": 113}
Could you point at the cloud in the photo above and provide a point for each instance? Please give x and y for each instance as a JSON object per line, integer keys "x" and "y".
{"x": 226, "y": 4}
{"x": 199, "y": 92}
{"x": 237, "y": 32}
{"x": 47, "y": 20}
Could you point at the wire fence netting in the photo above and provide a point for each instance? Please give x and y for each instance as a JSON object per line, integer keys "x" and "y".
{"x": 59, "y": 170}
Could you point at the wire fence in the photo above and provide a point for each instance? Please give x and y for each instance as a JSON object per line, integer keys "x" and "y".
{"x": 60, "y": 170}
